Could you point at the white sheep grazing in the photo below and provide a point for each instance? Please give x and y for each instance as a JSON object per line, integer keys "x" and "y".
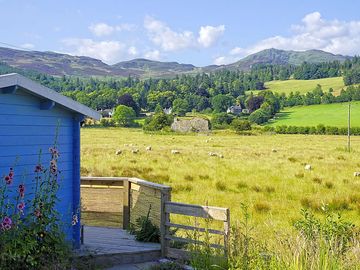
{"x": 118, "y": 152}
{"x": 356, "y": 174}
{"x": 175, "y": 152}
{"x": 273, "y": 150}
{"x": 135, "y": 151}
{"x": 308, "y": 167}
{"x": 212, "y": 154}
{"x": 148, "y": 148}
{"x": 221, "y": 156}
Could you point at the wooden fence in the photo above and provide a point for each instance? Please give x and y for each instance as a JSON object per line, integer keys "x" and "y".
{"x": 205, "y": 212}
{"x": 125, "y": 198}
{"x": 132, "y": 198}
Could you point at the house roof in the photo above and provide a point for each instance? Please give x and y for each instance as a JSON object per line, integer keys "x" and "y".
{"x": 14, "y": 79}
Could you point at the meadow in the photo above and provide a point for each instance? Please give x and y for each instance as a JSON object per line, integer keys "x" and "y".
{"x": 266, "y": 172}
{"x": 335, "y": 114}
{"x": 304, "y": 86}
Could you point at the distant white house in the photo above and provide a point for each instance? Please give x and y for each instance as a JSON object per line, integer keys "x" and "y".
{"x": 168, "y": 110}
{"x": 235, "y": 109}
{"x": 245, "y": 111}
{"x": 108, "y": 113}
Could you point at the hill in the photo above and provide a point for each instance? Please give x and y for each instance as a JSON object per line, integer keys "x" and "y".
{"x": 327, "y": 114}
{"x": 154, "y": 68}
{"x": 304, "y": 86}
{"x": 58, "y": 64}
{"x": 282, "y": 57}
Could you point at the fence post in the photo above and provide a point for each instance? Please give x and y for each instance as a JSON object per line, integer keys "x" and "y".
{"x": 226, "y": 233}
{"x": 126, "y": 204}
{"x": 165, "y": 217}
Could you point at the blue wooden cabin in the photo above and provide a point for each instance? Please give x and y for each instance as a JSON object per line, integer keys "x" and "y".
{"x": 30, "y": 115}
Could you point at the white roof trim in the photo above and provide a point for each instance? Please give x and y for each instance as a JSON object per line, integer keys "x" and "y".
{"x": 42, "y": 91}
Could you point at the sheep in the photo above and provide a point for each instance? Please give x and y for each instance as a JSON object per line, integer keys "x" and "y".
{"x": 308, "y": 167}
{"x": 118, "y": 152}
{"x": 135, "y": 151}
{"x": 356, "y": 174}
{"x": 273, "y": 150}
{"x": 212, "y": 154}
{"x": 149, "y": 148}
{"x": 175, "y": 152}
{"x": 221, "y": 156}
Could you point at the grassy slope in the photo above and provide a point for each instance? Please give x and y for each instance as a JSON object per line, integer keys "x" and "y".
{"x": 328, "y": 114}
{"x": 250, "y": 171}
{"x": 304, "y": 86}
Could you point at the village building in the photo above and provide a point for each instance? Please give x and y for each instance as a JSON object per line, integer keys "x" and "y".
{"x": 236, "y": 109}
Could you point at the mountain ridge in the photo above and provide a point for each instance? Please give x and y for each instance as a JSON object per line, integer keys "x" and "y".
{"x": 59, "y": 64}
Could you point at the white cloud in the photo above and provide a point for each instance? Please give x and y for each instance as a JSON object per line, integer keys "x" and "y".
{"x": 208, "y": 35}
{"x": 153, "y": 55}
{"x": 160, "y": 34}
{"x": 169, "y": 40}
{"x": 103, "y": 29}
{"x": 108, "y": 51}
{"x": 133, "y": 51}
{"x": 313, "y": 32}
{"x": 28, "y": 46}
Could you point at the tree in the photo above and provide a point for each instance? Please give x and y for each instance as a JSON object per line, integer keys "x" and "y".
{"x": 124, "y": 116}
{"x": 158, "y": 121}
{"x": 180, "y": 106}
{"x": 240, "y": 125}
{"x": 254, "y": 102}
{"x": 221, "y": 103}
{"x": 127, "y": 100}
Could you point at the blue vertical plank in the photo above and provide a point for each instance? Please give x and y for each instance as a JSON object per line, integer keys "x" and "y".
{"x": 76, "y": 179}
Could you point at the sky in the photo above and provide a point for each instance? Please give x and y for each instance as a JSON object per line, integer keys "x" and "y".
{"x": 200, "y": 32}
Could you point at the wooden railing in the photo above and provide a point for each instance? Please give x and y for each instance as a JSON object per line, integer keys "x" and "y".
{"x": 205, "y": 212}
{"x": 130, "y": 197}
{"x": 133, "y": 197}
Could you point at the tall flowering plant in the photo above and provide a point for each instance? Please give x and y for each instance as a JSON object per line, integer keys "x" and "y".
{"x": 31, "y": 232}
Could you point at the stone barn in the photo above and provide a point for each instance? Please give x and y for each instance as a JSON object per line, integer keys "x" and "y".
{"x": 32, "y": 118}
{"x": 195, "y": 124}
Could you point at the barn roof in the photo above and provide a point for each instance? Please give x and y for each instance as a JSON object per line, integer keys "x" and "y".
{"x": 15, "y": 80}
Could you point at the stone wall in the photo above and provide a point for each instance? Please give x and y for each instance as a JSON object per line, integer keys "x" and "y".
{"x": 195, "y": 124}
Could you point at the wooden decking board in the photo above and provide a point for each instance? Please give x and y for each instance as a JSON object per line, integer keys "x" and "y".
{"x": 112, "y": 241}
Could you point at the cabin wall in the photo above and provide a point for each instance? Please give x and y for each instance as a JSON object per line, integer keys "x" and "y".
{"x": 25, "y": 132}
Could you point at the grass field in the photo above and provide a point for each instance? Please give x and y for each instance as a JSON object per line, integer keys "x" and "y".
{"x": 274, "y": 184}
{"x": 335, "y": 114}
{"x": 304, "y": 86}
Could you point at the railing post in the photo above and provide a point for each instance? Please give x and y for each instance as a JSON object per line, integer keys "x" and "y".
{"x": 164, "y": 218}
{"x": 226, "y": 233}
{"x": 126, "y": 204}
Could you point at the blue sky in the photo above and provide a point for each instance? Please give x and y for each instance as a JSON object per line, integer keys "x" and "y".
{"x": 198, "y": 31}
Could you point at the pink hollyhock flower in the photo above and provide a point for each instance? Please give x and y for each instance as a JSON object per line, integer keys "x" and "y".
{"x": 22, "y": 190}
{"x": 39, "y": 168}
{"x": 54, "y": 152}
{"x": 21, "y": 207}
{"x": 8, "y": 180}
{"x": 7, "y": 220}
{"x": 37, "y": 213}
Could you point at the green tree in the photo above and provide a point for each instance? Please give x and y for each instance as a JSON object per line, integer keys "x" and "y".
{"x": 180, "y": 106}
{"x": 124, "y": 116}
{"x": 221, "y": 103}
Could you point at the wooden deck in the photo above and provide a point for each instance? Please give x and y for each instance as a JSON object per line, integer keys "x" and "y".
{"x": 111, "y": 246}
